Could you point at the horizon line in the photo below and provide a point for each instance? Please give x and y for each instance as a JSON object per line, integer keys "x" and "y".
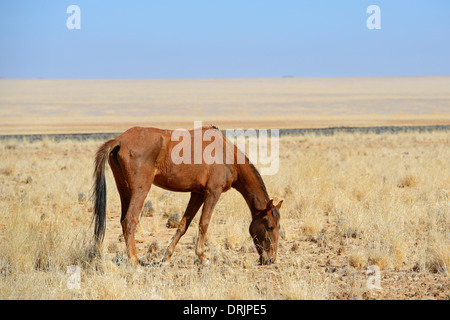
{"x": 222, "y": 78}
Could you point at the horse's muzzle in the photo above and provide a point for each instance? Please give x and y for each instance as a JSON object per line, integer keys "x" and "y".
{"x": 264, "y": 260}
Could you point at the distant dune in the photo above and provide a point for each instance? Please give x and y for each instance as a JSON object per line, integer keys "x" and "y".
{"x": 67, "y": 106}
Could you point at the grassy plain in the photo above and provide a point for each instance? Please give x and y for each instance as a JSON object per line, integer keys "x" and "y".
{"x": 351, "y": 201}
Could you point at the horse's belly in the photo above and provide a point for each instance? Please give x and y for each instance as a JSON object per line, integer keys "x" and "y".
{"x": 179, "y": 181}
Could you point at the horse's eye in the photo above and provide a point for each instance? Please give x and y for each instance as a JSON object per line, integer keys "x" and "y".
{"x": 269, "y": 228}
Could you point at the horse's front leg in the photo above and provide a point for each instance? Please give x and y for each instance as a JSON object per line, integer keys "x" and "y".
{"x": 195, "y": 202}
{"x": 211, "y": 198}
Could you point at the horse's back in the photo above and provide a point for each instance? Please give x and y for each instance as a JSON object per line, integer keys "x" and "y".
{"x": 152, "y": 148}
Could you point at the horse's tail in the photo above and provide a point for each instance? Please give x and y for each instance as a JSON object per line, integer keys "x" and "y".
{"x": 99, "y": 189}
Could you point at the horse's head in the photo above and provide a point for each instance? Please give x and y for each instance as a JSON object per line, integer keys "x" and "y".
{"x": 264, "y": 231}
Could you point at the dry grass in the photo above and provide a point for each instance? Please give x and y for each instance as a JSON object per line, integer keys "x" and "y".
{"x": 351, "y": 200}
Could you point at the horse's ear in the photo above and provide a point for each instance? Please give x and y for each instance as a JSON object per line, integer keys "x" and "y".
{"x": 269, "y": 205}
{"x": 278, "y": 206}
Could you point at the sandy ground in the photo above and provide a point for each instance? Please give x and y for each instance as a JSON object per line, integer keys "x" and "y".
{"x": 84, "y": 106}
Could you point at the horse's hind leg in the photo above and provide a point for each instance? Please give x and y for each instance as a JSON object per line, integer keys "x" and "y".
{"x": 122, "y": 187}
{"x": 195, "y": 202}
{"x": 139, "y": 189}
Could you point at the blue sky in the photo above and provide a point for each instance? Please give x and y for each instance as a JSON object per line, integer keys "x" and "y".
{"x": 223, "y": 39}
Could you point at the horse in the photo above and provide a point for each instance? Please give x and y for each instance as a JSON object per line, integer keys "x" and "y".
{"x": 141, "y": 156}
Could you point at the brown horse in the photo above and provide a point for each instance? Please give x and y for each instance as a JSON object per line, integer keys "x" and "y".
{"x": 141, "y": 157}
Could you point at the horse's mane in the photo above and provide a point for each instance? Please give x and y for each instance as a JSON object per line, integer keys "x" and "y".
{"x": 258, "y": 176}
{"x": 246, "y": 162}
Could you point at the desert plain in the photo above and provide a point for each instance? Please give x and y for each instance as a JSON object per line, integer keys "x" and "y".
{"x": 353, "y": 202}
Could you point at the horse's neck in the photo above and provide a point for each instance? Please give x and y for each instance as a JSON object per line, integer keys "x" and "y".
{"x": 249, "y": 183}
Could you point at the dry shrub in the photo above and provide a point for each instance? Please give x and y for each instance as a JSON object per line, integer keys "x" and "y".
{"x": 351, "y": 222}
{"x": 438, "y": 258}
{"x": 408, "y": 181}
{"x": 399, "y": 251}
{"x": 312, "y": 224}
{"x": 357, "y": 259}
{"x": 380, "y": 258}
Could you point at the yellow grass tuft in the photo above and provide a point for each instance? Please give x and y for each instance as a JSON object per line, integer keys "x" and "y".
{"x": 408, "y": 181}
{"x": 438, "y": 257}
{"x": 357, "y": 259}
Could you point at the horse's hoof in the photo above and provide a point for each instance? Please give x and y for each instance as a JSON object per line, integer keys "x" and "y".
{"x": 204, "y": 263}
{"x": 162, "y": 264}
{"x": 143, "y": 264}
